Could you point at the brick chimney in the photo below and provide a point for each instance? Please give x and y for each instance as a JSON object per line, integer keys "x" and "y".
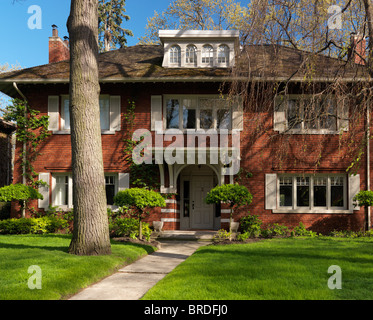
{"x": 58, "y": 48}
{"x": 357, "y": 49}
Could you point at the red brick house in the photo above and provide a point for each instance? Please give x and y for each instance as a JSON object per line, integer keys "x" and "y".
{"x": 6, "y": 152}
{"x": 176, "y": 88}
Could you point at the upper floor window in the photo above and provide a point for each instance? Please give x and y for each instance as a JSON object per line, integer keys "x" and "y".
{"x": 309, "y": 114}
{"x": 59, "y": 114}
{"x": 175, "y": 55}
{"x": 197, "y": 113}
{"x": 191, "y": 54}
{"x": 104, "y": 114}
{"x": 223, "y": 54}
{"x": 207, "y": 54}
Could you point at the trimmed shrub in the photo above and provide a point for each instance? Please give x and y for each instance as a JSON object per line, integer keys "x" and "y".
{"x": 122, "y": 227}
{"x": 41, "y": 225}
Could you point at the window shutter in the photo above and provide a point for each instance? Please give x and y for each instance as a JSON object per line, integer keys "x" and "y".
{"x": 271, "y": 191}
{"x": 353, "y": 189}
{"x": 115, "y": 113}
{"x": 279, "y": 116}
{"x": 123, "y": 181}
{"x": 53, "y": 113}
{"x": 44, "y": 191}
{"x": 156, "y": 110}
{"x": 342, "y": 116}
{"x": 237, "y": 115}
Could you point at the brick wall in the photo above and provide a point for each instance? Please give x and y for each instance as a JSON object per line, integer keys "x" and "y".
{"x": 262, "y": 152}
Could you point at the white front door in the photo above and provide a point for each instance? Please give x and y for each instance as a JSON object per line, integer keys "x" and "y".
{"x": 202, "y": 214}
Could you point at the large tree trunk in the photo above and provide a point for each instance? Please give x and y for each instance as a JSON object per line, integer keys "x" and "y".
{"x": 91, "y": 232}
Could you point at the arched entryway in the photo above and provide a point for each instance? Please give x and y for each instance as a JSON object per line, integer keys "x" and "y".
{"x": 194, "y": 182}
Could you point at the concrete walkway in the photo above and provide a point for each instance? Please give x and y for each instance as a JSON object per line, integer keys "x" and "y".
{"x": 134, "y": 280}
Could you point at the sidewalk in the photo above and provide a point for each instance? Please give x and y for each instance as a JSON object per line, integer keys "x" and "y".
{"x": 134, "y": 280}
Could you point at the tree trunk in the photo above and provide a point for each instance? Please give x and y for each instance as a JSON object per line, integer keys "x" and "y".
{"x": 91, "y": 231}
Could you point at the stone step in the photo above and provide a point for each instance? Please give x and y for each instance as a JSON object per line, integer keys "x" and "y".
{"x": 185, "y": 235}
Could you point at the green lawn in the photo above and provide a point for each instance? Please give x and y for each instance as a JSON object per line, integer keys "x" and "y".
{"x": 62, "y": 274}
{"x": 293, "y": 268}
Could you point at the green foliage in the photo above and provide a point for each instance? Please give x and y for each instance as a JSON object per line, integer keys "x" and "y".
{"x": 232, "y": 194}
{"x": 301, "y": 230}
{"x": 364, "y": 199}
{"x": 31, "y": 130}
{"x": 18, "y": 192}
{"x": 129, "y": 227}
{"x": 139, "y": 198}
{"x": 41, "y": 225}
{"x": 111, "y": 15}
{"x": 251, "y": 225}
{"x": 222, "y": 235}
{"x": 243, "y": 236}
{"x": 275, "y": 230}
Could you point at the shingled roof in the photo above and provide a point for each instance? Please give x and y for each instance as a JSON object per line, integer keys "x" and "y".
{"x": 142, "y": 63}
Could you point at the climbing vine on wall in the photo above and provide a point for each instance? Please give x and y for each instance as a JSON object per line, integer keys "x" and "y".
{"x": 141, "y": 175}
{"x": 32, "y": 130}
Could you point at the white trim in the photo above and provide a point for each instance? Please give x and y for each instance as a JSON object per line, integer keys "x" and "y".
{"x": 170, "y": 220}
{"x": 225, "y": 220}
{"x": 169, "y": 210}
{"x": 225, "y": 210}
{"x": 170, "y": 201}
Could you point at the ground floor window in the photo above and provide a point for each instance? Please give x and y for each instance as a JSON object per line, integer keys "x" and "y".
{"x": 312, "y": 192}
{"x": 62, "y": 190}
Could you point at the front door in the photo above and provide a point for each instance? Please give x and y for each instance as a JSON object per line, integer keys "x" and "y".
{"x": 202, "y": 214}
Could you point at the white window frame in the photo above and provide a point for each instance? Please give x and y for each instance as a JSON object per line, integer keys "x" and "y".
{"x": 283, "y": 99}
{"x": 62, "y": 130}
{"x": 69, "y": 206}
{"x": 312, "y": 209}
{"x": 207, "y": 53}
{"x": 175, "y": 55}
{"x": 191, "y": 55}
{"x": 223, "y": 55}
{"x": 196, "y": 104}
{"x": 70, "y": 191}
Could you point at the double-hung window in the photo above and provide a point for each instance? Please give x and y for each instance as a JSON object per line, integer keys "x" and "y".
{"x": 313, "y": 192}
{"x": 183, "y": 112}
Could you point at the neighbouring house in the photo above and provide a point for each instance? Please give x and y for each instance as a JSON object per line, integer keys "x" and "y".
{"x": 295, "y": 168}
{"x": 6, "y": 152}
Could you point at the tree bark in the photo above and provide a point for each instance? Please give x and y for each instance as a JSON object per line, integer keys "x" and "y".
{"x": 91, "y": 231}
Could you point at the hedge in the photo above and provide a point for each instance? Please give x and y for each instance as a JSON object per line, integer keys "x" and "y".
{"x": 32, "y": 225}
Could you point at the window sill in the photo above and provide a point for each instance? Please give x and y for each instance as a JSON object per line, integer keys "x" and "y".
{"x": 64, "y": 132}
{"x": 311, "y": 131}
{"x": 318, "y": 211}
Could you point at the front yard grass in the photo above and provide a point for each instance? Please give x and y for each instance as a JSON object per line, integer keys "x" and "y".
{"x": 62, "y": 274}
{"x": 273, "y": 269}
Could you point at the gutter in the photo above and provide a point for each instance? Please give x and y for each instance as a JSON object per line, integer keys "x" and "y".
{"x": 24, "y": 149}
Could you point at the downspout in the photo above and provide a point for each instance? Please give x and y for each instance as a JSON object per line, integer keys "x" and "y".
{"x": 24, "y": 149}
{"x": 368, "y": 160}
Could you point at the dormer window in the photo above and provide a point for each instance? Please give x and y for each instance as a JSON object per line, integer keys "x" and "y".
{"x": 199, "y": 48}
{"x": 191, "y": 54}
{"x": 223, "y": 54}
{"x": 175, "y": 55}
{"x": 207, "y": 54}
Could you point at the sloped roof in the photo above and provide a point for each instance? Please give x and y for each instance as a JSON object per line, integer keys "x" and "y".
{"x": 144, "y": 63}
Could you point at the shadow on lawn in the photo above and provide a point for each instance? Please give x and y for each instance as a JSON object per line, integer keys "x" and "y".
{"x": 64, "y": 248}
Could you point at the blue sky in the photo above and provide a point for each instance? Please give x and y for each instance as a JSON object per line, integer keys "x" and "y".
{"x": 29, "y": 47}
